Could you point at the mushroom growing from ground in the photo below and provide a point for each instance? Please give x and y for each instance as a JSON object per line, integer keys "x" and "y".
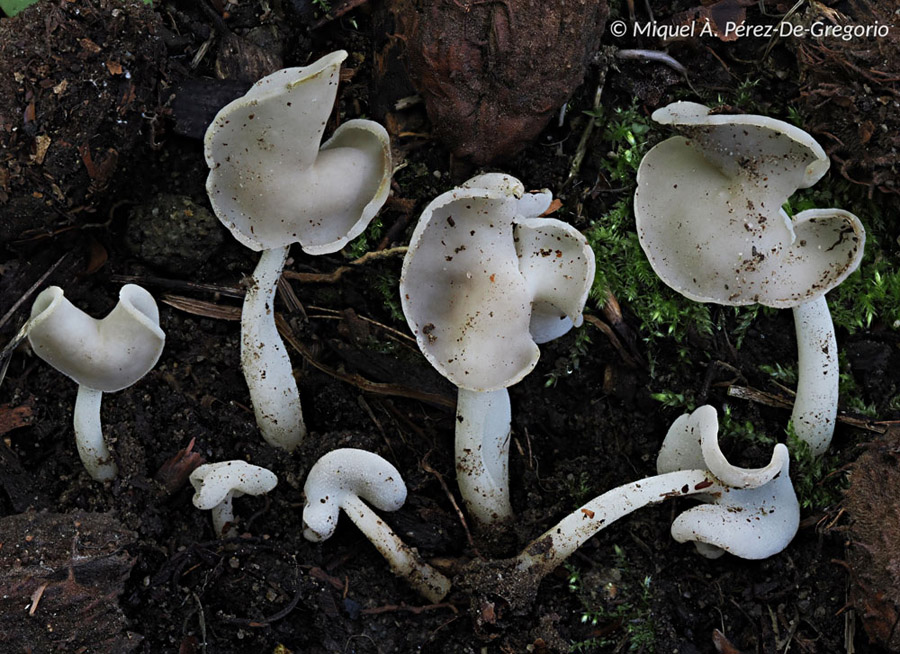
{"x": 217, "y": 483}
{"x": 273, "y": 183}
{"x": 708, "y": 210}
{"x": 483, "y": 282}
{"x": 342, "y": 480}
{"x": 751, "y": 513}
{"x": 102, "y": 356}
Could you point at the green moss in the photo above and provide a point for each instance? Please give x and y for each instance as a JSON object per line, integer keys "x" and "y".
{"x": 387, "y": 283}
{"x": 816, "y": 479}
{"x": 624, "y": 600}
{"x": 365, "y": 241}
{"x": 623, "y": 270}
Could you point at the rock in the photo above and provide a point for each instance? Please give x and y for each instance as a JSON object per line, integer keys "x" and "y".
{"x": 173, "y": 233}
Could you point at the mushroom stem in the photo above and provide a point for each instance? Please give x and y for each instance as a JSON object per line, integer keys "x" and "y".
{"x": 482, "y": 454}
{"x": 404, "y": 561}
{"x": 89, "y": 435}
{"x": 222, "y": 515}
{"x": 548, "y": 551}
{"x": 267, "y": 367}
{"x": 815, "y": 406}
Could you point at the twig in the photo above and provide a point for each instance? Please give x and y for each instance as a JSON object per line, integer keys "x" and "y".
{"x": 202, "y": 308}
{"x": 779, "y": 402}
{"x": 178, "y": 285}
{"x": 201, "y": 617}
{"x": 652, "y": 55}
{"x": 337, "y": 12}
{"x": 335, "y": 275}
{"x": 462, "y": 518}
{"x": 393, "y": 608}
{"x": 613, "y": 339}
{"x": 34, "y": 287}
{"x": 581, "y": 150}
{"x": 357, "y": 380}
{"x": 396, "y": 333}
{"x": 275, "y": 617}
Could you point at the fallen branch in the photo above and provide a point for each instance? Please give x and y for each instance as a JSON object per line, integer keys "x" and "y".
{"x": 780, "y": 402}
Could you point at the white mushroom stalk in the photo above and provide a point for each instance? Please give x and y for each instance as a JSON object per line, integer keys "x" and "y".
{"x": 346, "y": 479}
{"x": 273, "y": 182}
{"x": 485, "y": 280}
{"x": 102, "y": 356}
{"x": 750, "y": 513}
{"x": 708, "y": 210}
{"x": 215, "y": 484}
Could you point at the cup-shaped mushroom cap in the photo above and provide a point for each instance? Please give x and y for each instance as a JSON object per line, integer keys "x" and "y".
{"x": 213, "y": 482}
{"x": 485, "y": 280}
{"x": 558, "y": 266}
{"x": 751, "y": 513}
{"x": 107, "y": 354}
{"x": 347, "y": 473}
{"x": 272, "y": 182}
{"x": 709, "y": 217}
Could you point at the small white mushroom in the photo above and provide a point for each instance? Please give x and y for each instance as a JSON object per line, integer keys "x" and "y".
{"x": 342, "y": 480}
{"x": 217, "y": 483}
{"x": 751, "y": 513}
{"x": 709, "y": 217}
{"x": 484, "y": 281}
{"x": 102, "y": 356}
{"x": 273, "y": 182}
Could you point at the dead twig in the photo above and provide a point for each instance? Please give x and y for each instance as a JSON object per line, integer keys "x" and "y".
{"x": 359, "y": 381}
{"x": 459, "y": 514}
{"x": 397, "y": 334}
{"x": 581, "y": 150}
{"x": 32, "y": 289}
{"x": 416, "y": 610}
{"x": 335, "y": 275}
{"x": 202, "y": 308}
{"x": 178, "y": 285}
{"x": 629, "y": 360}
{"x": 275, "y": 617}
{"x": 780, "y": 402}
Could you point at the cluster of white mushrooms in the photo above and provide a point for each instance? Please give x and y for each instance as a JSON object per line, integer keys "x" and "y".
{"x": 485, "y": 280}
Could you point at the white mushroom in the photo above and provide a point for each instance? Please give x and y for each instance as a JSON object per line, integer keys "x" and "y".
{"x": 217, "y": 483}
{"x": 341, "y": 480}
{"x": 751, "y": 513}
{"x": 273, "y": 183}
{"x": 709, "y": 217}
{"x": 102, "y": 356}
{"x": 484, "y": 281}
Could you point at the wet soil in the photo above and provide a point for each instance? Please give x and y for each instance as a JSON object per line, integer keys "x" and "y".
{"x": 362, "y": 381}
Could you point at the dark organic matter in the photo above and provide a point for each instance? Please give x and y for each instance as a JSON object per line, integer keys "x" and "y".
{"x": 875, "y": 559}
{"x": 75, "y": 79}
{"x": 60, "y": 575}
{"x": 493, "y": 72}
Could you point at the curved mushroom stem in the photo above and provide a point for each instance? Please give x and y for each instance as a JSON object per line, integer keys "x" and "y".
{"x": 404, "y": 561}
{"x": 89, "y": 435}
{"x": 548, "y": 551}
{"x": 482, "y": 454}
{"x": 223, "y": 516}
{"x": 267, "y": 367}
{"x": 815, "y": 406}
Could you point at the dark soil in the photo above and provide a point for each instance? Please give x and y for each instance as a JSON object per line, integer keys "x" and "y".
{"x": 139, "y": 541}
